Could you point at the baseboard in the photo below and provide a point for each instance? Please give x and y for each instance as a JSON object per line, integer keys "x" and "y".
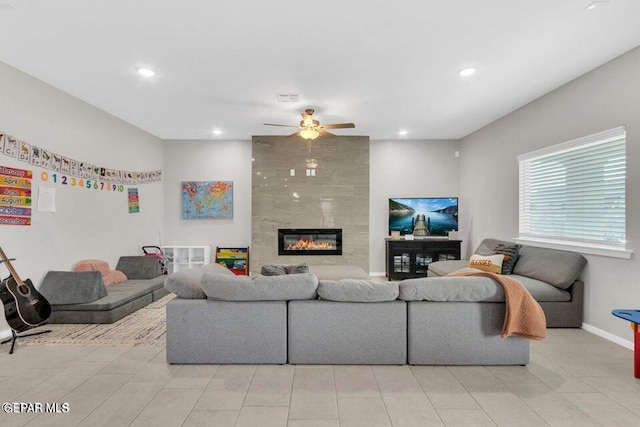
{"x": 5, "y": 334}
{"x": 376, "y": 274}
{"x": 608, "y": 336}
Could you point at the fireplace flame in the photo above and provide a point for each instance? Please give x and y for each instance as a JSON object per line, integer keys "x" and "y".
{"x": 303, "y": 244}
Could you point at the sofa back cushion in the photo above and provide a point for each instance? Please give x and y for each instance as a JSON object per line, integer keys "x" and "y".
{"x": 70, "y": 287}
{"x": 357, "y": 290}
{"x": 558, "y": 268}
{"x": 186, "y": 283}
{"x": 139, "y": 267}
{"x": 465, "y": 289}
{"x": 261, "y": 288}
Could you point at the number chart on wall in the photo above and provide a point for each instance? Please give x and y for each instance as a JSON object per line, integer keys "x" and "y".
{"x": 72, "y": 181}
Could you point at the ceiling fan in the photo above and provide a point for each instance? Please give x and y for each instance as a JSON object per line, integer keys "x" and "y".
{"x": 311, "y": 129}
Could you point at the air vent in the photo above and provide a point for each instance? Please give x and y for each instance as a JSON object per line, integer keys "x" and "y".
{"x": 288, "y": 97}
{"x": 7, "y": 6}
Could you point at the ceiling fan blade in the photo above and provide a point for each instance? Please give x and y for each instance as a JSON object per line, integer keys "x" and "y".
{"x": 284, "y": 126}
{"x": 293, "y": 134}
{"x": 338, "y": 126}
{"x": 325, "y": 133}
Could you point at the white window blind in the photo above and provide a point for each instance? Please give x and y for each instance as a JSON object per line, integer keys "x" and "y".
{"x": 575, "y": 192}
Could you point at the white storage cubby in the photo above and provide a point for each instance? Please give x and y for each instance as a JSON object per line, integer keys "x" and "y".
{"x": 183, "y": 257}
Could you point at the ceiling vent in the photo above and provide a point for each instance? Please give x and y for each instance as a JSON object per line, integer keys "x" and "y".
{"x": 7, "y": 6}
{"x": 288, "y": 97}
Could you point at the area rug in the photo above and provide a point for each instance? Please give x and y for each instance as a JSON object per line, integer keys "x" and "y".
{"x": 145, "y": 327}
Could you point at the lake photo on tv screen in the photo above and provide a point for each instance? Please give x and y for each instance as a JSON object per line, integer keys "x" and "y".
{"x": 438, "y": 215}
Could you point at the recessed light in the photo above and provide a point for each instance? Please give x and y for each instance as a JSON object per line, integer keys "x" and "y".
{"x": 146, "y": 72}
{"x": 216, "y": 132}
{"x": 466, "y": 72}
{"x": 403, "y": 132}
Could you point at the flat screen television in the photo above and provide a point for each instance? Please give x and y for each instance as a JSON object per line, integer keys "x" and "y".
{"x": 423, "y": 216}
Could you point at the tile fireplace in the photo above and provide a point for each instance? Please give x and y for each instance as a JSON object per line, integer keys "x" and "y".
{"x": 309, "y": 241}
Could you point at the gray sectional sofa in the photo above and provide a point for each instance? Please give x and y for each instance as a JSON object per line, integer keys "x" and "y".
{"x": 81, "y": 297}
{"x": 315, "y": 319}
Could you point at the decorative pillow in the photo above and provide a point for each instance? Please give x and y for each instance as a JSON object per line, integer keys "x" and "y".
{"x": 491, "y": 263}
{"x": 296, "y": 269}
{"x": 355, "y": 290}
{"x": 92, "y": 265}
{"x": 510, "y": 253}
{"x": 279, "y": 270}
{"x": 273, "y": 270}
{"x": 113, "y": 277}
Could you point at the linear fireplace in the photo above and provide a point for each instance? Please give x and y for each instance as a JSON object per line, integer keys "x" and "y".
{"x": 309, "y": 241}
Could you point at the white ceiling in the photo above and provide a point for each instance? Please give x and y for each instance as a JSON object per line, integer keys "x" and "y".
{"x": 384, "y": 65}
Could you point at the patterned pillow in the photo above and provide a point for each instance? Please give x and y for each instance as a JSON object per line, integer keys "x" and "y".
{"x": 273, "y": 270}
{"x": 491, "y": 263}
{"x": 296, "y": 269}
{"x": 510, "y": 253}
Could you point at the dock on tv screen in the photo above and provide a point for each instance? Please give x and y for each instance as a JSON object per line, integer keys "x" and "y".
{"x": 426, "y": 216}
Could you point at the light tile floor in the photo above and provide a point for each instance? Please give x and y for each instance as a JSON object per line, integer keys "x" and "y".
{"x": 574, "y": 379}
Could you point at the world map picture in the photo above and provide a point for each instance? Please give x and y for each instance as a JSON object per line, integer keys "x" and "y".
{"x": 207, "y": 199}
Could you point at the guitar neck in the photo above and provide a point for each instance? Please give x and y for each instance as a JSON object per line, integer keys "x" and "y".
{"x": 12, "y": 270}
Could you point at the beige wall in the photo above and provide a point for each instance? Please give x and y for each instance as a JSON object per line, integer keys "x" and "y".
{"x": 337, "y": 197}
{"x": 601, "y": 99}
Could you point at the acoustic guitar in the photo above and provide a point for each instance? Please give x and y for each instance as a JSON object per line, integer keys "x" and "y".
{"x": 24, "y": 306}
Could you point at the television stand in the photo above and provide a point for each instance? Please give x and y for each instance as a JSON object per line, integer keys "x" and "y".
{"x": 411, "y": 258}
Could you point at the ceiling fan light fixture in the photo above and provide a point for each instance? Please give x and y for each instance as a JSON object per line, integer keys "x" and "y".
{"x": 145, "y": 72}
{"x": 309, "y": 133}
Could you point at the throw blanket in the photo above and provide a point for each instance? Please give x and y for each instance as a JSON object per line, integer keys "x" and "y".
{"x": 524, "y": 317}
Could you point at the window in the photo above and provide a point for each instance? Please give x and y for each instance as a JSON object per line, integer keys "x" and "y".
{"x": 572, "y": 195}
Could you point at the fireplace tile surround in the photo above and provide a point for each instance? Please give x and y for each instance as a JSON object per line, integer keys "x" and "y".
{"x": 337, "y": 197}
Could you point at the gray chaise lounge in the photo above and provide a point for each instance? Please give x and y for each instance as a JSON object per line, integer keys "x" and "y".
{"x": 550, "y": 276}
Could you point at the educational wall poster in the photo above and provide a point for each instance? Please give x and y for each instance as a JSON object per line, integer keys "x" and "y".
{"x": 134, "y": 200}
{"x": 15, "y": 196}
{"x": 65, "y": 168}
{"x": 207, "y": 199}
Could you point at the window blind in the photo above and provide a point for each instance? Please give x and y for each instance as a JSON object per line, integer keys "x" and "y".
{"x": 575, "y": 192}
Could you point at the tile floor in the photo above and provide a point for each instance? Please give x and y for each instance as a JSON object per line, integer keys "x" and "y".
{"x": 574, "y": 378}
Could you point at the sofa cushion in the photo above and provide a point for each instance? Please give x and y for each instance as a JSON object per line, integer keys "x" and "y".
{"x": 186, "y": 283}
{"x": 542, "y": 291}
{"x": 357, "y": 290}
{"x": 118, "y": 295}
{"x": 510, "y": 253}
{"x": 442, "y": 268}
{"x": 558, "y": 268}
{"x": 261, "y": 288}
{"x": 139, "y": 267}
{"x": 463, "y": 289}
{"x": 337, "y": 272}
{"x": 69, "y": 287}
{"x": 489, "y": 263}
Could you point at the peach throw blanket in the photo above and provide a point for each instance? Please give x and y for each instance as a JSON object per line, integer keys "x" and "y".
{"x": 524, "y": 317}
